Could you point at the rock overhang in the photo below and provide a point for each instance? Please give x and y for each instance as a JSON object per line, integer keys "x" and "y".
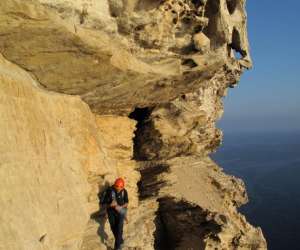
{"x": 171, "y": 62}
{"x": 119, "y": 55}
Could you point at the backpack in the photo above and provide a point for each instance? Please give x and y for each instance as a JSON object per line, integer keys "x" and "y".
{"x": 108, "y": 195}
{"x": 105, "y": 196}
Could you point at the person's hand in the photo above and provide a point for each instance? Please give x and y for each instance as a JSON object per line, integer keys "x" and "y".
{"x": 113, "y": 204}
{"x": 118, "y": 208}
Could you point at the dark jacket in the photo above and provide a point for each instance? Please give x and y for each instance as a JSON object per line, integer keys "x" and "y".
{"x": 121, "y": 197}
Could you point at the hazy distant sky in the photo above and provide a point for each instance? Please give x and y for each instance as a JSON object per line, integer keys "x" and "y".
{"x": 268, "y": 96}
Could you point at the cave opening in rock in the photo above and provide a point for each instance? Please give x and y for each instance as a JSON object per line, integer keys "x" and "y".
{"x": 237, "y": 55}
{"x": 140, "y": 115}
{"x": 235, "y": 45}
{"x": 149, "y": 184}
{"x": 231, "y": 5}
{"x": 212, "y": 12}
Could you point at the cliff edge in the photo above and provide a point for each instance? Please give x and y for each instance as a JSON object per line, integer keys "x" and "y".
{"x": 91, "y": 90}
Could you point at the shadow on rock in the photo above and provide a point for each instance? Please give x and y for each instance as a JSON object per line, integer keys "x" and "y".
{"x": 182, "y": 225}
{"x": 149, "y": 185}
{"x": 101, "y": 218}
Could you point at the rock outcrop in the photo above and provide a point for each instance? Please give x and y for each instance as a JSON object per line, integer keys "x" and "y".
{"x": 117, "y": 52}
{"x": 91, "y": 90}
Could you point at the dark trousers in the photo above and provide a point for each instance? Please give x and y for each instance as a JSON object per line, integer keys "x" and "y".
{"x": 116, "y": 222}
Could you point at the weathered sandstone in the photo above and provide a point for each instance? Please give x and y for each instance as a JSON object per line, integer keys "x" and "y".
{"x": 118, "y": 52}
{"x": 95, "y": 89}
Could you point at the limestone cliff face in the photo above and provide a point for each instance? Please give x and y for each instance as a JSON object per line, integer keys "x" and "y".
{"x": 91, "y": 90}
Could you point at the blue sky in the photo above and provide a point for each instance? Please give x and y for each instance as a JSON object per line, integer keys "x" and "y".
{"x": 268, "y": 96}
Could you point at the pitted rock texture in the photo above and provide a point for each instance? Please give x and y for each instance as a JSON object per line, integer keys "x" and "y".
{"x": 185, "y": 126}
{"x": 121, "y": 54}
{"x": 92, "y": 90}
{"x": 197, "y": 201}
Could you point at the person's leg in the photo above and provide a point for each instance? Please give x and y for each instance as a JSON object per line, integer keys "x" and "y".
{"x": 113, "y": 223}
{"x": 120, "y": 223}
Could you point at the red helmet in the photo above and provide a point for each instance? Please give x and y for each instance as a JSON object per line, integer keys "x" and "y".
{"x": 119, "y": 183}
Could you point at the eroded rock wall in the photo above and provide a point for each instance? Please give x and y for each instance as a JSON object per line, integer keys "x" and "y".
{"x": 197, "y": 201}
{"x": 56, "y": 156}
{"x": 122, "y": 54}
{"x": 44, "y": 165}
{"x": 91, "y": 90}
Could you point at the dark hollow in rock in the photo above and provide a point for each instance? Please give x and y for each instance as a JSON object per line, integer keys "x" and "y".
{"x": 189, "y": 63}
{"x": 236, "y": 45}
{"x": 140, "y": 115}
{"x": 231, "y": 5}
{"x": 212, "y": 8}
{"x": 212, "y": 12}
{"x": 198, "y": 3}
{"x": 177, "y": 220}
{"x": 149, "y": 185}
{"x": 42, "y": 238}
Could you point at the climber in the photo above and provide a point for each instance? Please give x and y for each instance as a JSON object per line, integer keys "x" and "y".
{"x": 117, "y": 209}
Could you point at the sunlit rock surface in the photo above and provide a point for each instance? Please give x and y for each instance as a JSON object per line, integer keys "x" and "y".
{"x": 120, "y": 54}
{"x": 91, "y": 90}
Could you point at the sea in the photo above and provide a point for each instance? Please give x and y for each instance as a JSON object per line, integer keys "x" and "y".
{"x": 269, "y": 164}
